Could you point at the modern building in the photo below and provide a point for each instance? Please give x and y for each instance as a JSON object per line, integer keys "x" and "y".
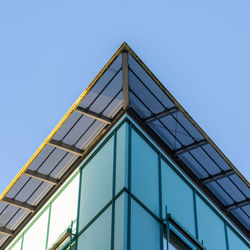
{"x": 126, "y": 169}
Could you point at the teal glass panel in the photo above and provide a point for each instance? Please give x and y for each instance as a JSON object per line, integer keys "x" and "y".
{"x": 98, "y": 235}
{"x": 120, "y": 228}
{"x": 145, "y": 230}
{"x": 96, "y": 183}
{"x": 178, "y": 197}
{"x": 210, "y": 226}
{"x": 144, "y": 173}
{"x": 121, "y": 157}
{"x": 235, "y": 242}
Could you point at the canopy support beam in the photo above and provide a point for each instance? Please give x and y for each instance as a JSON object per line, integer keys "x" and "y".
{"x": 125, "y": 80}
{"x": 6, "y": 231}
{"x": 66, "y": 147}
{"x": 238, "y": 205}
{"x": 41, "y": 177}
{"x": 217, "y": 176}
{"x": 19, "y": 204}
{"x": 189, "y": 147}
{"x": 93, "y": 115}
{"x": 162, "y": 114}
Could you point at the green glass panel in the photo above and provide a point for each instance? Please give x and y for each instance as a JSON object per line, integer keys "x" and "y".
{"x": 96, "y": 184}
{"x": 235, "y": 242}
{"x": 210, "y": 226}
{"x": 120, "y": 229}
{"x": 35, "y": 237}
{"x": 145, "y": 230}
{"x": 144, "y": 173}
{"x": 98, "y": 235}
{"x": 178, "y": 197}
{"x": 121, "y": 157}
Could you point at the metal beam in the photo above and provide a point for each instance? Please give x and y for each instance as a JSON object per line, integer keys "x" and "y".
{"x": 66, "y": 147}
{"x": 125, "y": 80}
{"x": 217, "y": 176}
{"x": 238, "y": 205}
{"x": 6, "y": 231}
{"x": 162, "y": 114}
{"x": 41, "y": 177}
{"x": 189, "y": 147}
{"x": 19, "y": 204}
{"x": 93, "y": 114}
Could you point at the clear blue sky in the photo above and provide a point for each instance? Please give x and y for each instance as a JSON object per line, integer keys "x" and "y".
{"x": 51, "y": 50}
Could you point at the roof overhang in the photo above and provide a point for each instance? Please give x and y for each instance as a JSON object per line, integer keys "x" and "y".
{"x": 124, "y": 85}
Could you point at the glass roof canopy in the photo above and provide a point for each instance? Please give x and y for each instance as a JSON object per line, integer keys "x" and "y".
{"x": 124, "y": 85}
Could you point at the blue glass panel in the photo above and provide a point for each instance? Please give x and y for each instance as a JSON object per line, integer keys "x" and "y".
{"x": 235, "y": 243}
{"x": 144, "y": 173}
{"x": 98, "y": 235}
{"x": 145, "y": 230}
{"x": 96, "y": 189}
{"x": 122, "y": 157}
{"x": 210, "y": 226}
{"x": 120, "y": 230}
{"x": 178, "y": 197}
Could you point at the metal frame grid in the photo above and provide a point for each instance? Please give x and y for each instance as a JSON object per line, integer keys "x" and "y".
{"x": 164, "y": 218}
{"x": 125, "y": 84}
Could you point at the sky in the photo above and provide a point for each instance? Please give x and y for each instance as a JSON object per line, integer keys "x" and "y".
{"x": 51, "y": 50}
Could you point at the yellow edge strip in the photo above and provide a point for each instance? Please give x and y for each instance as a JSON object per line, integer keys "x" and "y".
{"x": 62, "y": 121}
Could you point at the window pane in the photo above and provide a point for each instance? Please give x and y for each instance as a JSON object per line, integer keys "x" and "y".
{"x": 145, "y": 230}
{"x": 210, "y": 226}
{"x": 144, "y": 173}
{"x": 96, "y": 187}
{"x": 121, "y": 157}
{"x": 35, "y": 237}
{"x": 120, "y": 230}
{"x": 235, "y": 242}
{"x": 98, "y": 235}
{"x": 178, "y": 197}
{"x": 63, "y": 211}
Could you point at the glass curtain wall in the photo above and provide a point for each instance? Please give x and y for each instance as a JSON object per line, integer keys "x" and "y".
{"x": 129, "y": 190}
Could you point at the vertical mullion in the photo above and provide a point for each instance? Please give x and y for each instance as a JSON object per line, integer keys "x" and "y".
{"x": 160, "y": 200}
{"x": 78, "y": 209}
{"x": 226, "y": 236}
{"x": 125, "y": 80}
{"x": 129, "y": 187}
{"x": 22, "y": 241}
{"x": 48, "y": 227}
{"x": 195, "y": 215}
{"x": 113, "y": 193}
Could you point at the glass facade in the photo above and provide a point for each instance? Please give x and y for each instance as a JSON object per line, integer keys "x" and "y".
{"x": 131, "y": 197}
